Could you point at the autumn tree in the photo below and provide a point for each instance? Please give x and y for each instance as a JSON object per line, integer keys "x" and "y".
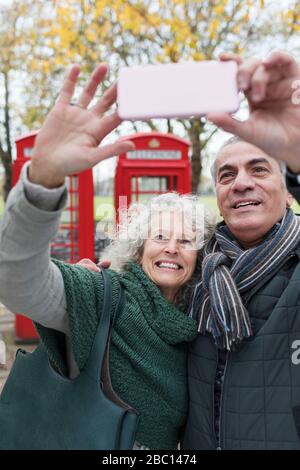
{"x": 143, "y": 32}
{"x": 15, "y": 44}
{"x": 9, "y": 44}
{"x": 290, "y": 22}
{"x": 135, "y": 32}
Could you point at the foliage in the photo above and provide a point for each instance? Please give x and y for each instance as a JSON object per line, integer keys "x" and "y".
{"x": 40, "y": 39}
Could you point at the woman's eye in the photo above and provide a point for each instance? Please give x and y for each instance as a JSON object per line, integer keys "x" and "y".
{"x": 159, "y": 237}
{"x": 186, "y": 242}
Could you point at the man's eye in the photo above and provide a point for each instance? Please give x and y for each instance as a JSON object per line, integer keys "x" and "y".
{"x": 226, "y": 176}
{"x": 259, "y": 169}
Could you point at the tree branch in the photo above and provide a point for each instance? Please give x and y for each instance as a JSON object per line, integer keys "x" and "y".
{"x": 205, "y": 141}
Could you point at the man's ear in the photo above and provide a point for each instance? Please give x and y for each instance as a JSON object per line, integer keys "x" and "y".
{"x": 289, "y": 200}
{"x": 219, "y": 209}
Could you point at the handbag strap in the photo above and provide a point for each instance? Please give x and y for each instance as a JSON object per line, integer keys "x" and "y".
{"x": 106, "y": 319}
{"x": 98, "y": 363}
{"x": 105, "y": 382}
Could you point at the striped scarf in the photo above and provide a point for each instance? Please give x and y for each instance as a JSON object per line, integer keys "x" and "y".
{"x": 228, "y": 271}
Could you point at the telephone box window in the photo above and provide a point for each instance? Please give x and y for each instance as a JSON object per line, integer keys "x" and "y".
{"x": 145, "y": 187}
{"x": 159, "y": 164}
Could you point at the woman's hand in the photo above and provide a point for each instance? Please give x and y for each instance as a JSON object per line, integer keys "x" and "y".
{"x": 89, "y": 264}
{"x": 69, "y": 138}
{"x": 270, "y": 87}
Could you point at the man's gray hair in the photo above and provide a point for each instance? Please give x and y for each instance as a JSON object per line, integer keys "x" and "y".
{"x": 234, "y": 140}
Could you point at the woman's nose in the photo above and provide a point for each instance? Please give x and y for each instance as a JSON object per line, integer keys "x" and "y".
{"x": 171, "y": 246}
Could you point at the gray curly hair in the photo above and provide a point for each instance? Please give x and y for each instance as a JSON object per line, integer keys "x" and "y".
{"x": 133, "y": 231}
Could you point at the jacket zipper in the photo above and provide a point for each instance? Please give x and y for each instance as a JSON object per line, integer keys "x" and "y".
{"x": 222, "y": 382}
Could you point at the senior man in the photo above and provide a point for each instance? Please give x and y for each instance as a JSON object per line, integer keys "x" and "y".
{"x": 243, "y": 380}
{"x": 244, "y": 367}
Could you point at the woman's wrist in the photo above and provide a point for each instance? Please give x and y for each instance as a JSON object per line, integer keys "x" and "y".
{"x": 42, "y": 198}
{"x": 43, "y": 177}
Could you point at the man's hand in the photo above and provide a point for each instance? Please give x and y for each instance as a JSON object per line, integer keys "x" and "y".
{"x": 89, "y": 264}
{"x": 69, "y": 139}
{"x": 274, "y": 120}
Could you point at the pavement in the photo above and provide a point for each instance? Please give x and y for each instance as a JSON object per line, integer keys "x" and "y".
{"x": 7, "y": 343}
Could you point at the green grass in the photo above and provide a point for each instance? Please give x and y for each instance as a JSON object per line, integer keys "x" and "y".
{"x": 211, "y": 203}
{"x": 108, "y": 209}
{"x": 104, "y": 206}
{"x": 296, "y": 207}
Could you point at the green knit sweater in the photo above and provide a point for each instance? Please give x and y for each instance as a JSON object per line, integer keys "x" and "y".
{"x": 148, "y": 347}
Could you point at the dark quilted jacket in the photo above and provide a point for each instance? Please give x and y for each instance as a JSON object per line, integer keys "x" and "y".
{"x": 260, "y": 399}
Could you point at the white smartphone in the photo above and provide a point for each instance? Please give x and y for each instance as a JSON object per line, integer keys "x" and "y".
{"x": 177, "y": 90}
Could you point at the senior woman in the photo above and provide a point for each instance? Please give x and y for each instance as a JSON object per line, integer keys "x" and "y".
{"x": 155, "y": 258}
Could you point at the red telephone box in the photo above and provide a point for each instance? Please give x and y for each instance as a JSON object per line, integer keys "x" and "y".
{"x": 159, "y": 164}
{"x": 75, "y": 238}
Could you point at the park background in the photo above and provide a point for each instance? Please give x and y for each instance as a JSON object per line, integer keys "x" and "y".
{"x": 40, "y": 39}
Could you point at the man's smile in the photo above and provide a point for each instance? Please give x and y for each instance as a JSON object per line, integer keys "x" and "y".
{"x": 245, "y": 203}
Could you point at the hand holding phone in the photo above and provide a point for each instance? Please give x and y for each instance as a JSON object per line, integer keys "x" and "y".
{"x": 177, "y": 90}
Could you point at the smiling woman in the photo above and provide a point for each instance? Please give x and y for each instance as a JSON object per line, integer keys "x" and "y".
{"x": 163, "y": 236}
{"x": 170, "y": 253}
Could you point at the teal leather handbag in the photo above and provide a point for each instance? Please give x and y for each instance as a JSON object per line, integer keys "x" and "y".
{"x": 41, "y": 409}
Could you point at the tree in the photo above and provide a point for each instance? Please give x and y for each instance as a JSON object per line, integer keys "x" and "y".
{"x": 291, "y": 18}
{"x": 135, "y": 32}
{"x": 9, "y": 41}
{"x": 14, "y": 44}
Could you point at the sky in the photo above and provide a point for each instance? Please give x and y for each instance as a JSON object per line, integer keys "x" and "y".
{"x": 107, "y": 168}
